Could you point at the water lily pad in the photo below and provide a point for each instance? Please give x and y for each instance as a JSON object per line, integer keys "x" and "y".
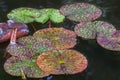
{"x": 60, "y": 37}
{"x": 62, "y": 62}
{"x": 81, "y": 12}
{"x": 86, "y": 30}
{"x": 104, "y": 28}
{"x": 23, "y": 14}
{"x": 14, "y": 65}
{"x": 50, "y": 13}
{"x": 110, "y": 43}
{"x": 36, "y": 45}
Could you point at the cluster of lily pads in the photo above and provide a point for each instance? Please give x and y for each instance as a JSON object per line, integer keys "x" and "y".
{"x": 48, "y": 51}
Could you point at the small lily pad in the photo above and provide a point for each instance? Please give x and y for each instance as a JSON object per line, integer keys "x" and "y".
{"x": 60, "y": 37}
{"x": 62, "y": 62}
{"x": 86, "y": 30}
{"x": 23, "y": 14}
{"x": 50, "y": 13}
{"x": 104, "y": 28}
{"x": 81, "y": 12}
{"x": 13, "y": 65}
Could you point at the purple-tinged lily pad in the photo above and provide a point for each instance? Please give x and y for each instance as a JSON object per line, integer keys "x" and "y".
{"x": 14, "y": 65}
{"x": 60, "y": 37}
{"x": 110, "y": 43}
{"x": 81, "y": 12}
{"x": 86, "y": 30}
{"x": 104, "y": 28}
{"x": 62, "y": 62}
{"x": 6, "y": 30}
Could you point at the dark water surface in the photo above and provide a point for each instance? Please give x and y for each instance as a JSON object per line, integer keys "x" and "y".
{"x": 103, "y": 64}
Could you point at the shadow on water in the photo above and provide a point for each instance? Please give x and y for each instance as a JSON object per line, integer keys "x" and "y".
{"x": 103, "y": 64}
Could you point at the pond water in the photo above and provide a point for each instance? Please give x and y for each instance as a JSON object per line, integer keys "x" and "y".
{"x": 103, "y": 64}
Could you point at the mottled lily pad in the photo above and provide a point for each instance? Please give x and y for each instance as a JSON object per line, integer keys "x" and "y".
{"x": 60, "y": 37}
{"x": 110, "y": 43}
{"x": 23, "y": 14}
{"x": 104, "y": 28}
{"x": 86, "y": 30}
{"x": 36, "y": 45}
{"x": 81, "y": 12}
{"x": 62, "y": 62}
{"x": 14, "y": 65}
{"x": 50, "y": 13}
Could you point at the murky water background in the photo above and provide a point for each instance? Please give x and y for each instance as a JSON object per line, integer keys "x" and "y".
{"x": 103, "y": 64}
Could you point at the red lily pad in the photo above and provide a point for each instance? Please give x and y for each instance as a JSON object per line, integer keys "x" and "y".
{"x": 60, "y": 37}
{"x": 81, "y": 12}
{"x": 62, "y": 62}
{"x": 110, "y": 43}
{"x": 86, "y": 30}
{"x": 14, "y": 65}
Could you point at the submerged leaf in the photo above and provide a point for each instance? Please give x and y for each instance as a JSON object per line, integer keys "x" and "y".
{"x": 81, "y": 12}
{"x": 62, "y": 62}
{"x": 60, "y": 37}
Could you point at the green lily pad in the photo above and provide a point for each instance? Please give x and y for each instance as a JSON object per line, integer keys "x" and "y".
{"x": 81, "y": 12}
{"x": 62, "y": 62}
{"x": 14, "y": 65}
{"x": 50, "y": 13}
{"x": 23, "y": 14}
{"x": 60, "y": 37}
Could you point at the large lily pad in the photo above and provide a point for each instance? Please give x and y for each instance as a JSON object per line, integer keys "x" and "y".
{"x": 81, "y": 12}
{"x": 50, "y": 13}
{"x": 86, "y": 30}
{"x": 110, "y": 43}
{"x": 60, "y": 37}
{"x": 36, "y": 45}
{"x": 23, "y": 14}
{"x": 14, "y": 65}
{"x": 62, "y": 62}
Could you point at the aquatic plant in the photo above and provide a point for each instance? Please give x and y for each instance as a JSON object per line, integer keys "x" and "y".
{"x": 60, "y": 37}
{"x": 6, "y": 30}
{"x": 81, "y": 12}
{"x": 27, "y": 15}
{"x": 62, "y": 62}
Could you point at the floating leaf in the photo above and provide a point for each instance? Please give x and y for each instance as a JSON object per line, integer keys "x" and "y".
{"x": 6, "y": 30}
{"x": 62, "y": 62}
{"x": 50, "y": 13}
{"x": 60, "y": 37}
{"x": 81, "y": 12}
{"x": 14, "y": 65}
{"x": 23, "y": 14}
{"x": 86, "y": 30}
{"x": 36, "y": 45}
{"x": 110, "y": 43}
{"x": 104, "y": 28}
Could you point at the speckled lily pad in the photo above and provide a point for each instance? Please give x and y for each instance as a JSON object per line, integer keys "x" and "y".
{"x": 62, "y": 62}
{"x": 36, "y": 45}
{"x": 110, "y": 43}
{"x": 81, "y": 12}
{"x": 50, "y": 13}
{"x": 23, "y": 14}
{"x": 60, "y": 37}
{"x": 86, "y": 30}
{"x": 14, "y": 65}
{"x": 104, "y": 28}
